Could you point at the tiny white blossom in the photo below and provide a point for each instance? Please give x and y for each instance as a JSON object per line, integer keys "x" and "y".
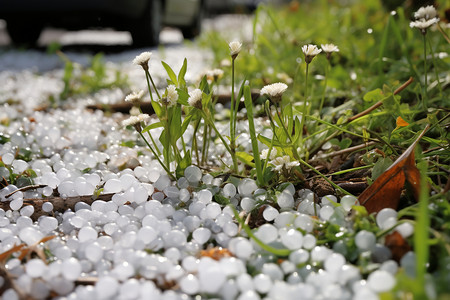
{"x": 310, "y": 51}
{"x": 172, "y": 95}
{"x": 195, "y": 98}
{"x": 142, "y": 59}
{"x": 274, "y": 91}
{"x": 134, "y": 97}
{"x": 284, "y": 162}
{"x": 426, "y": 12}
{"x": 329, "y": 48}
{"x": 214, "y": 75}
{"x": 265, "y": 153}
{"x": 423, "y": 24}
{"x": 136, "y": 120}
{"x": 235, "y": 48}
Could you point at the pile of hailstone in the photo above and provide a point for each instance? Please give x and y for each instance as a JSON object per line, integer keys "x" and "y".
{"x": 147, "y": 241}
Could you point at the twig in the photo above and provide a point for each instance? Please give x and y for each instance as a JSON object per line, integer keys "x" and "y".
{"x": 26, "y": 188}
{"x": 348, "y": 150}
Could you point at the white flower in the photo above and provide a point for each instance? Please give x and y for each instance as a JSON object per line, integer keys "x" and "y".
{"x": 284, "y": 162}
{"x": 328, "y": 48}
{"x": 195, "y": 98}
{"x": 426, "y": 12}
{"x": 235, "y": 48}
{"x": 134, "y": 97}
{"x": 423, "y": 24}
{"x": 172, "y": 95}
{"x": 142, "y": 59}
{"x": 265, "y": 153}
{"x": 310, "y": 52}
{"x": 214, "y": 75}
{"x": 136, "y": 120}
{"x": 134, "y": 111}
{"x": 274, "y": 91}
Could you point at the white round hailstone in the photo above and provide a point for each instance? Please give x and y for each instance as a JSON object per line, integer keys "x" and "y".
{"x": 213, "y": 210}
{"x": 201, "y": 235}
{"x": 389, "y": 223}
{"x": 19, "y": 166}
{"x": 123, "y": 270}
{"x": 304, "y": 222}
{"x": 348, "y": 201}
{"x": 207, "y": 179}
{"x": 47, "y": 206}
{"x": 193, "y": 174}
{"x": 184, "y": 195}
{"x": 7, "y": 158}
{"x": 93, "y": 179}
{"x": 284, "y": 219}
{"x": 172, "y": 192}
{"x": 229, "y": 190}
{"x": 245, "y": 282}
{"x": 107, "y": 287}
{"x": 328, "y": 199}
{"x": 408, "y": 263}
{"x": 247, "y": 186}
{"x": 210, "y": 275}
{"x": 10, "y": 294}
{"x": 77, "y": 221}
{"x": 189, "y": 284}
{"x": 249, "y": 295}
{"x": 140, "y": 195}
{"x": 270, "y": 213}
{"x": 110, "y": 228}
{"x": 84, "y": 188}
{"x": 381, "y": 281}
{"x": 365, "y": 293}
{"x": 406, "y": 229}
{"x": 71, "y": 269}
{"x": 63, "y": 252}
{"x": 30, "y": 235}
{"x": 47, "y": 191}
{"x": 129, "y": 289}
{"x": 204, "y": 196}
{"x": 86, "y": 234}
{"x": 243, "y": 249}
{"x": 365, "y": 240}
{"x": 27, "y": 211}
{"x": 309, "y": 241}
{"x": 16, "y": 204}
{"x": 173, "y": 254}
{"x": 292, "y": 239}
{"x": 262, "y": 283}
{"x": 127, "y": 180}
{"x": 230, "y": 228}
{"x": 273, "y": 271}
{"x": 229, "y": 290}
{"x": 248, "y": 203}
{"x": 98, "y": 205}
{"x": 48, "y": 224}
{"x": 113, "y": 185}
{"x": 35, "y": 267}
{"x": 299, "y": 256}
{"x": 23, "y": 222}
{"x": 190, "y": 264}
{"x": 326, "y": 212}
{"x": 320, "y": 253}
{"x": 94, "y": 252}
{"x": 285, "y": 200}
{"x": 390, "y": 266}
{"x": 385, "y": 214}
{"x": 267, "y": 233}
{"x": 119, "y": 199}
{"x": 334, "y": 262}
{"x": 139, "y": 171}
{"x": 174, "y": 238}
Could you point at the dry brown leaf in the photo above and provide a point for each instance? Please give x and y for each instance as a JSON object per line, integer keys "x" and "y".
{"x": 386, "y": 189}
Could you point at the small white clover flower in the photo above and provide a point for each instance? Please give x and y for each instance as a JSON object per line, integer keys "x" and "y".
{"x": 329, "y": 49}
{"x": 310, "y": 52}
{"x": 265, "y": 153}
{"x": 136, "y": 121}
{"x": 284, "y": 163}
{"x": 214, "y": 75}
{"x": 195, "y": 98}
{"x": 426, "y": 12}
{"x": 423, "y": 24}
{"x": 171, "y": 95}
{"x": 274, "y": 91}
{"x": 135, "y": 97}
{"x": 142, "y": 60}
{"x": 235, "y": 48}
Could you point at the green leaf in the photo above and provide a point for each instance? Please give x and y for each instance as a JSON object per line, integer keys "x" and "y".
{"x": 171, "y": 73}
{"x": 175, "y": 123}
{"x": 183, "y": 97}
{"x": 374, "y": 96}
{"x": 204, "y": 86}
{"x": 183, "y": 164}
{"x": 182, "y": 73}
{"x": 152, "y": 126}
{"x": 245, "y": 158}
{"x": 380, "y": 166}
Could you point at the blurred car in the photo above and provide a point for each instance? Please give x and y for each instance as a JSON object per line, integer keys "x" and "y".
{"x": 144, "y": 19}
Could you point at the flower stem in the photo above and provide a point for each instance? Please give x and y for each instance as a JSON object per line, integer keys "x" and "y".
{"x": 157, "y": 157}
{"x": 324, "y": 88}
{"x": 425, "y": 92}
{"x": 233, "y": 109}
{"x": 305, "y": 102}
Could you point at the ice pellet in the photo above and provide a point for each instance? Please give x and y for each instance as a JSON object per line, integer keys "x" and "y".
{"x": 247, "y": 186}
{"x": 193, "y": 174}
{"x": 270, "y": 213}
{"x": 365, "y": 240}
{"x": 380, "y": 281}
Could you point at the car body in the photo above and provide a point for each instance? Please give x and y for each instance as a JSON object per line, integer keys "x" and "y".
{"x": 143, "y": 18}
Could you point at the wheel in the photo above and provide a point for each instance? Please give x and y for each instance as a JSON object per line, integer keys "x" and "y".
{"x": 194, "y": 29}
{"x": 145, "y": 31}
{"x": 24, "y": 33}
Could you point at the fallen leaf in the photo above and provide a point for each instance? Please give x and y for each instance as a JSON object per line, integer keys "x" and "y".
{"x": 386, "y": 189}
{"x": 397, "y": 244}
{"x": 216, "y": 253}
{"x": 401, "y": 123}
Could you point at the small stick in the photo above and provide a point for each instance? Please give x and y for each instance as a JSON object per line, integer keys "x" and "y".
{"x": 348, "y": 150}
{"x": 26, "y": 188}
{"x": 379, "y": 103}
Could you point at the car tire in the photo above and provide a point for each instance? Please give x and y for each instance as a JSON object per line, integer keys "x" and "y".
{"x": 145, "y": 31}
{"x": 24, "y": 33}
{"x": 194, "y": 29}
